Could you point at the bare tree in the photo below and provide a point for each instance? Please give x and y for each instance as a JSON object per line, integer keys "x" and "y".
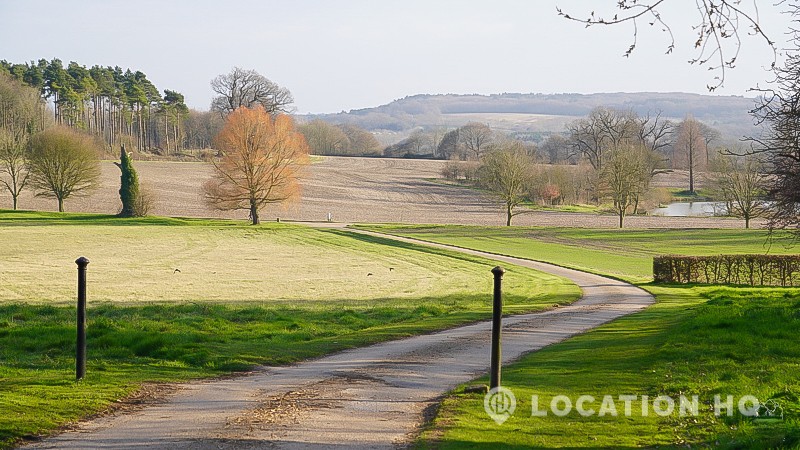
{"x": 626, "y": 176}
{"x": 557, "y": 149}
{"x": 654, "y": 132}
{"x": 779, "y": 115}
{"x": 21, "y": 114}
{"x": 63, "y": 162}
{"x": 261, "y": 159}
{"x": 248, "y": 88}
{"x": 476, "y": 137}
{"x": 689, "y": 148}
{"x": 709, "y": 135}
{"x": 740, "y": 182}
{"x": 603, "y": 131}
{"x": 13, "y": 164}
{"x": 506, "y": 173}
{"x": 718, "y": 32}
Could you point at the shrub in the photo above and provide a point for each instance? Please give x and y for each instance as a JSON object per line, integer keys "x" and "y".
{"x": 143, "y": 203}
{"x": 753, "y": 270}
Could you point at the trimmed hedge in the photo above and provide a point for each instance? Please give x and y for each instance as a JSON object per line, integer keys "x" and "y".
{"x": 753, "y": 270}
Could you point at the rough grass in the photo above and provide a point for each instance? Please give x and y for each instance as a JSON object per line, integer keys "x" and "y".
{"x": 244, "y": 296}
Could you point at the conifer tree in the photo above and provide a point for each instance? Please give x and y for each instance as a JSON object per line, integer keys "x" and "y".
{"x": 129, "y": 185}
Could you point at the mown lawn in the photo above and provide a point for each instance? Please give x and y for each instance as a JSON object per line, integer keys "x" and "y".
{"x": 696, "y": 340}
{"x": 626, "y": 253}
{"x": 242, "y": 296}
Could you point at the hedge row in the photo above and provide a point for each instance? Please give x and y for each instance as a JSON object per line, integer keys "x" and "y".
{"x": 753, "y": 270}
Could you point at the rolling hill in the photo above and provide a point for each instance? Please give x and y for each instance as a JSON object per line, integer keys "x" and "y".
{"x": 541, "y": 113}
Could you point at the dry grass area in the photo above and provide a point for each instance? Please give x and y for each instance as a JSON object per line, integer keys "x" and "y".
{"x": 221, "y": 264}
{"x": 366, "y": 190}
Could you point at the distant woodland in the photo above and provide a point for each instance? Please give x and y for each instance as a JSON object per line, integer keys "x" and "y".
{"x": 119, "y": 106}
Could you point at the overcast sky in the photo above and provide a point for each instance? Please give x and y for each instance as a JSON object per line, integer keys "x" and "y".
{"x": 343, "y": 54}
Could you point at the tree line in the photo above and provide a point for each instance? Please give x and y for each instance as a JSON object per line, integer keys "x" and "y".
{"x": 119, "y": 106}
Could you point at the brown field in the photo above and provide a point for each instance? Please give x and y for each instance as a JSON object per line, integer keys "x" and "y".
{"x": 364, "y": 190}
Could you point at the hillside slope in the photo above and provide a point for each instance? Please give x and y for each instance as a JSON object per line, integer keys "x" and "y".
{"x": 544, "y": 112}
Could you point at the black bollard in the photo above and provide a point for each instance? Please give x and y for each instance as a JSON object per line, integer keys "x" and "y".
{"x": 497, "y": 314}
{"x": 80, "y": 357}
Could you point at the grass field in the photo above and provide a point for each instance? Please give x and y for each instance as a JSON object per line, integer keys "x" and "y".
{"x": 244, "y": 296}
{"x": 626, "y": 254}
{"x": 696, "y": 340}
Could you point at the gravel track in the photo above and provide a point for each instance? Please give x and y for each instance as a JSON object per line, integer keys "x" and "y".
{"x": 373, "y": 397}
{"x": 366, "y": 190}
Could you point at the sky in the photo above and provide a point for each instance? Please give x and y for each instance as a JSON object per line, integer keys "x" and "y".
{"x": 338, "y": 55}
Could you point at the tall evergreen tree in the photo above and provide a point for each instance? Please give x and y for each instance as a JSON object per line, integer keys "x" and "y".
{"x": 129, "y": 185}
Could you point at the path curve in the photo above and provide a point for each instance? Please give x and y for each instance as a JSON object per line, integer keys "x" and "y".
{"x": 373, "y": 397}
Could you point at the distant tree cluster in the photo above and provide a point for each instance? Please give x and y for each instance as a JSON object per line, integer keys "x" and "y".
{"x": 465, "y": 143}
{"x": 344, "y": 140}
{"x": 120, "y": 106}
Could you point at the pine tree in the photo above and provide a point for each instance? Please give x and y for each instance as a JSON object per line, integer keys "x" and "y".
{"x": 129, "y": 185}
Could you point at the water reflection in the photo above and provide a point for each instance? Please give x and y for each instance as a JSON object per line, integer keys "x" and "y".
{"x": 688, "y": 209}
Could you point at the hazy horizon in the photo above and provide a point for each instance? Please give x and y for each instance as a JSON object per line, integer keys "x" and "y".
{"x": 354, "y": 54}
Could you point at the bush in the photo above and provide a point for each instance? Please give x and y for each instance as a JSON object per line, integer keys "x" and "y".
{"x": 143, "y": 203}
{"x": 753, "y": 270}
{"x": 451, "y": 171}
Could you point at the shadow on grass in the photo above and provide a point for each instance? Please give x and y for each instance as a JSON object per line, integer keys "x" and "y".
{"x": 26, "y": 218}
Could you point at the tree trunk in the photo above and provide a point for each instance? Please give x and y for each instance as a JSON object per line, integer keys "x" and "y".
{"x": 621, "y": 218}
{"x": 60, "y": 204}
{"x": 746, "y": 221}
{"x": 14, "y": 200}
{"x": 254, "y": 213}
{"x": 691, "y": 172}
{"x": 508, "y": 214}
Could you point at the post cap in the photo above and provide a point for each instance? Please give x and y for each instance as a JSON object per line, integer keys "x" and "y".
{"x": 498, "y": 271}
{"x": 82, "y": 261}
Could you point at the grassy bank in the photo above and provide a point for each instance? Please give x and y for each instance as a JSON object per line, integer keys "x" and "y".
{"x": 696, "y": 340}
{"x": 241, "y": 296}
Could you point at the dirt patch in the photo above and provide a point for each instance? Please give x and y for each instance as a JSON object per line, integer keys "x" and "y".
{"x": 288, "y": 408}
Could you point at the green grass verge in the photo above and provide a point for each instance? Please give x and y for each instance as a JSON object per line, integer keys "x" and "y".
{"x": 696, "y": 340}
{"x": 245, "y": 295}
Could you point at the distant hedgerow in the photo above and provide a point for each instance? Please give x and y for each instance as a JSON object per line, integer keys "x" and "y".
{"x": 753, "y": 270}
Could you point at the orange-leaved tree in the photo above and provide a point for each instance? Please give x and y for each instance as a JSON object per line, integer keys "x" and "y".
{"x": 262, "y": 156}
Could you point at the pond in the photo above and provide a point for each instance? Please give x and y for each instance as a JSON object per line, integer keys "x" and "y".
{"x": 687, "y": 209}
